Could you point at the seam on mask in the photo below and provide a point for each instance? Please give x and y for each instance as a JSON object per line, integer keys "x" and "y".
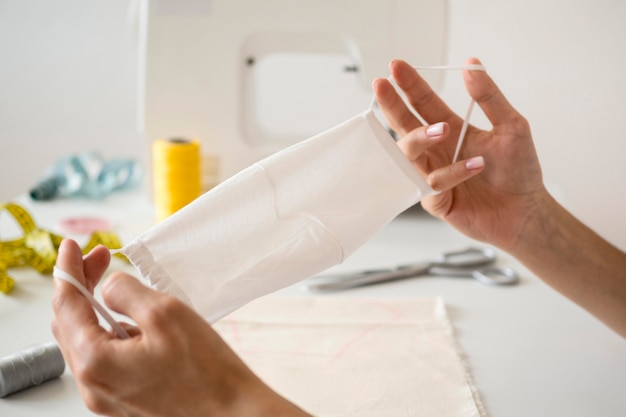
{"x": 306, "y": 215}
{"x": 398, "y": 159}
{"x": 141, "y": 258}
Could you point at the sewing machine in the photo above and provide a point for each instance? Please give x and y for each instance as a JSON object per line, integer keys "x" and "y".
{"x": 250, "y": 77}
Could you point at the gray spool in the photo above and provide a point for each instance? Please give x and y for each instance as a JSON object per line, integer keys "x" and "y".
{"x": 30, "y": 367}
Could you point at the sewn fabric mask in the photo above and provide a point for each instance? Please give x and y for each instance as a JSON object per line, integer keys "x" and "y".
{"x": 283, "y": 219}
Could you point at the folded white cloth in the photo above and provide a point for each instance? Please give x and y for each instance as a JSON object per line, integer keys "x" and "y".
{"x": 340, "y": 357}
{"x": 281, "y": 220}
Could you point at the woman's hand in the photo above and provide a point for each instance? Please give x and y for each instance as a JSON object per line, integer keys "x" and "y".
{"x": 174, "y": 364}
{"x": 494, "y": 205}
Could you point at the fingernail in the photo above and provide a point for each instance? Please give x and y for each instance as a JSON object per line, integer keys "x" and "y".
{"x": 475, "y": 163}
{"x": 435, "y": 130}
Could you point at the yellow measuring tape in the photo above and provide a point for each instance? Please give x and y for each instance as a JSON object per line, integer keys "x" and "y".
{"x": 38, "y": 248}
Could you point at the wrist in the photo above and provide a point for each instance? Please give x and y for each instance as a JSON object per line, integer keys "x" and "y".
{"x": 539, "y": 228}
{"x": 256, "y": 399}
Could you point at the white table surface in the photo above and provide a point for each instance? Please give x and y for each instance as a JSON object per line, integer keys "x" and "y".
{"x": 531, "y": 352}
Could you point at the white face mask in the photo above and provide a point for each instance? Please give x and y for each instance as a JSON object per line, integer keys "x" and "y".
{"x": 284, "y": 219}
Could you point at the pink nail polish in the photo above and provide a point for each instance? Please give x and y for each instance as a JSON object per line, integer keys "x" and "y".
{"x": 435, "y": 130}
{"x": 475, "y": 163}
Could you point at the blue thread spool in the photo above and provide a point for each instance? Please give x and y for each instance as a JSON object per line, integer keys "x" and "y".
{"x": 30, "y": 367}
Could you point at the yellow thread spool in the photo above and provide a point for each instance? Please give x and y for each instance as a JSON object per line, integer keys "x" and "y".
{"x": 177, "y": 174}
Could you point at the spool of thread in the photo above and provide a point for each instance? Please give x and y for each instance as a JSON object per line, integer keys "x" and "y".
{"x": 177, "y": 174}
{"x": 30, "y": 367}
{"x": 46, "y": 189}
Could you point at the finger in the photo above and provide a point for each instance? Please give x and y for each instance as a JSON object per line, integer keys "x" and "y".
{"x": 131, "y": 329}
{"x": 488, "y": 96}
{"x": 95, "y": 264}
{"x": 399, "y": 117}
{"x": 75, "y": 321}
{"x": 419, "y": 94}
{"x": 70, "y": 306}
{"x": 126, "y": 295}
{"x": 452, "y": 175}
{"x": 417, "y": 141}
{"x": 70, "y": 259}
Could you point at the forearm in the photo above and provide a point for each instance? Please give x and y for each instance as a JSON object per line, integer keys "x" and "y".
{"x": 575, "y": 261}
{"x": 258, "y": 399}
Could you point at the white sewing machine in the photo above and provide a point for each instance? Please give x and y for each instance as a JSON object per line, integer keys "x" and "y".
{"x": 249, "y": 77}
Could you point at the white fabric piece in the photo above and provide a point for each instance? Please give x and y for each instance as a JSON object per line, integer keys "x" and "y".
{"x": 340, "y": 357}
{"x": 281, "y": 220}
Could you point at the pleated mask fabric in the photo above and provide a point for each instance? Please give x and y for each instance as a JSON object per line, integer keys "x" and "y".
{"x": 283, "y": 219}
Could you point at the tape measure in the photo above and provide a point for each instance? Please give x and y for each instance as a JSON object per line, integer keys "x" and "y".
{"x": 38, "y": 248}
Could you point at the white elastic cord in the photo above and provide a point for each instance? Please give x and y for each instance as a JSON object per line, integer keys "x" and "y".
{"x": 459, "y": 142}
{"x": 64, "y": 276}
{"x": 469, "y": 67}
{"x": 468, "y": 114}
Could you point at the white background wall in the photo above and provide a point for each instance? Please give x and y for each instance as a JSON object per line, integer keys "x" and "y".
{"x": 68, "y": 84}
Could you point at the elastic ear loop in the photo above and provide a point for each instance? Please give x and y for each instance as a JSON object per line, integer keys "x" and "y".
{"x": 470, "y": 108}
{"x": 64, "y": 276}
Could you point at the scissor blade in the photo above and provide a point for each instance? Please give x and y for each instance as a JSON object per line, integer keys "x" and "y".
{"x": 345, "y": 281}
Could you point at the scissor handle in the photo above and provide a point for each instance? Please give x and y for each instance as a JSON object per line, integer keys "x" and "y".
{"x": 496, "y": 276}
{"x": 468, "y": 257}
{"x": 485, "y": 275}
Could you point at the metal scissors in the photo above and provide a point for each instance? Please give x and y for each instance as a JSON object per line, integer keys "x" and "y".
{"x": 473, "y": 263}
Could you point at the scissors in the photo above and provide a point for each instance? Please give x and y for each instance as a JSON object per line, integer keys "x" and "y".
{"x": 469, "y": 263}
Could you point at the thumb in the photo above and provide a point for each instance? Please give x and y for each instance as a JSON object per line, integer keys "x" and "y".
{"x": 488, "y": 96}
{"x": 95, "y": 264}
{"x": 125, "y": 294}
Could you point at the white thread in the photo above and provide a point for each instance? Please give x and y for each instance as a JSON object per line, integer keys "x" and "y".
{"x": 64, "y": 276}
